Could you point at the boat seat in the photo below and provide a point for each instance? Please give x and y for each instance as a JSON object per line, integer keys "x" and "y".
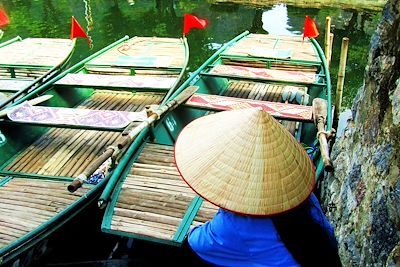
{"x": 74, "y": 117}
{"x": 117, "y": 81}
{"x": 13, "y": 85}
{"x": 301, "y": 77}
{"x": 278, "y": 110}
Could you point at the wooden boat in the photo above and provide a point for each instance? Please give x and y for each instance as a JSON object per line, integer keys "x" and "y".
{"x": 47, "y": 146}
{"x": 27, "y": 63}
{"x": 150, "y": 201}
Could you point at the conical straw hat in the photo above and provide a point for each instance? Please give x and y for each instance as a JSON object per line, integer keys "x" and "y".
{"x": 244, "y": 161}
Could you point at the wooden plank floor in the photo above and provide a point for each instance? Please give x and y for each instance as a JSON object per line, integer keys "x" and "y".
{"x": 159, "y": 52}
{"x": 67, "y": 152}
{"x": 154, "y": 198}
{"x": 253, "y": 43}
{"x": 25, "y": 204}
{"x": 36, "y": 52}
{"x": 261, "y": 91}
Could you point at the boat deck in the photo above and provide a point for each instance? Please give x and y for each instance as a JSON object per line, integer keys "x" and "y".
{"x": 25, "y": 204}
{"x": 262, "y": 91}
{"x": 67, "y": 152}
{"x": 154, "y": 202}
{"x": 24, "y": 62}
{"x": 274, "y": 47}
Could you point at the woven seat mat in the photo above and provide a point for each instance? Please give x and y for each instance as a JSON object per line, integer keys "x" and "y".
{"x": 67, "y": 152}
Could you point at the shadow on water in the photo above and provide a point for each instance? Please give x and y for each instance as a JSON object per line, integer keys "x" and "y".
{"x": 82, "y": 240}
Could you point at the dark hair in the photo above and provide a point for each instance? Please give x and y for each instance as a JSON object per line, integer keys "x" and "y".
{"x": 307, "y": 240}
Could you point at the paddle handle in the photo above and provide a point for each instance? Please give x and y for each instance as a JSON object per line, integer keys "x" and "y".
{"x": 75, "y": 185}
{"x": 320, "y": 114}
{"x": 77, "y": 182}
{"x": 324, "y": 148}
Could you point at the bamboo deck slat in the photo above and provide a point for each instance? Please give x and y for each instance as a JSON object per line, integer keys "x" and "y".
{"x": 36, "y": 51}
{"x": 254, "y": 43}
{"x": 66, "y": 152}
{"x": 261, "y": 91}
{"x": 128, "y": 53}
{"x": 25, "y": 204}
{"x": 153, "y": 196}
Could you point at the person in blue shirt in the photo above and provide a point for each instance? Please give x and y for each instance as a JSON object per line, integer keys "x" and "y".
{"x": 260, "y": 177}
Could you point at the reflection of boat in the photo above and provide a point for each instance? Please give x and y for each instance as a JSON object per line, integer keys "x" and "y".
{"x": 48, "y": 145}
{"x": 150, "y": 201}
{"x": 27, "y": 63}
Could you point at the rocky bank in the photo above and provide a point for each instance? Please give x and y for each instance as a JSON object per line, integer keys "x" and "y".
{"x": 362, "y": 195}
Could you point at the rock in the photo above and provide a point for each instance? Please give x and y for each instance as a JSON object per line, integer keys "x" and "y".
{"x": 364, "y": 188}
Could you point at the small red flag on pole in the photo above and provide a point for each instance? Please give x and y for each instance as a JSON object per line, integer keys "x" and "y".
{"x": 310, "y": 28}
{"x": 191, "y": 21}
{"x": 77, "y": 31}
{"x": 4, "y": 20}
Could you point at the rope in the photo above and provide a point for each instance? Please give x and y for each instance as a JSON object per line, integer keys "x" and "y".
{"x": 89, "y": 19}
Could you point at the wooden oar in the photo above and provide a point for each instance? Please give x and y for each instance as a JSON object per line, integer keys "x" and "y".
{"x": 319, "y": 113}
{"x": 33, "y": 102}
{"x": 129, "y": 135}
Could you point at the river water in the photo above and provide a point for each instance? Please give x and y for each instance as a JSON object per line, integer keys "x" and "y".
{"x": 109, "y": 20}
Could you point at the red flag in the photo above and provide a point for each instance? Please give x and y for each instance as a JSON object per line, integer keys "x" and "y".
{"x": 4, "y": 20}
{"x": 77, "y": 31}
{"x": 310, "y": 28}
{"x": 190, "y": 22}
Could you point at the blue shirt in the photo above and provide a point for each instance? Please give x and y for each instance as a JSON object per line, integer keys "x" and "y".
{"x": 235, "y": 240}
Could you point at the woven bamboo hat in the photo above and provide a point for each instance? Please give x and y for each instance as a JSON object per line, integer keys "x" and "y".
{"x": 244, "y": 161}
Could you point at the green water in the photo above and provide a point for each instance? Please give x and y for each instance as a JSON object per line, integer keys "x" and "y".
{"x": 112, "y": 19}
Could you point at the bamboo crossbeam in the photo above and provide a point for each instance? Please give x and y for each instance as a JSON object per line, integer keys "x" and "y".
{"x": 148, "y": 216}
{"x": 157, "y": 182}
{"x": 119, "y": 225}
{"x": 51, "y": 193}
{"x": 161, "y": 189}
{"x": 60, "y": 203}
{"x": 157, "y": 196}
{"x": 166, "y": 202}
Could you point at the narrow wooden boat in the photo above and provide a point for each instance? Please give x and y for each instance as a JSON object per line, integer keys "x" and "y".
{"x": 280, "y": 74}
{"x": 48, "y": 145}
{"x": 27, "y": 63}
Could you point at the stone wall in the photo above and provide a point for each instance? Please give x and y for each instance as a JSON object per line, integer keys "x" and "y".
{"x": 362, "y": 196}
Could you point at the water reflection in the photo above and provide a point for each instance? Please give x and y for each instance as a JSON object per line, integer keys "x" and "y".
{"x": 114, "y": 19}
{"x": 276, "y": 21}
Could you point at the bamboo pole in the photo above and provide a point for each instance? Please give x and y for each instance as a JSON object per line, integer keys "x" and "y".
{"x": 341, "y": 74}
{"x": 330, "y": 46}
{"x": 327, "y": 38}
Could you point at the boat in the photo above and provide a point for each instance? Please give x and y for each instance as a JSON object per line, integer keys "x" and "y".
{"x": 147, "y": 200}
{"x": 55, "y": 132}
{"x": 27, "y": 63}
